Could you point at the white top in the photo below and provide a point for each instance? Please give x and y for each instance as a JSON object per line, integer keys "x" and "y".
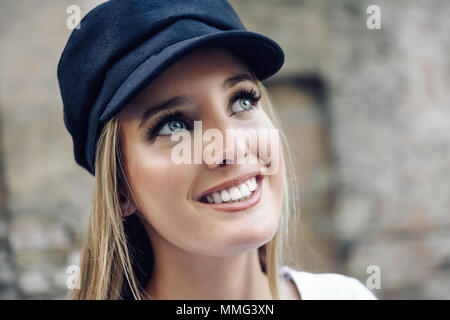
{"x": 327, "y": 286}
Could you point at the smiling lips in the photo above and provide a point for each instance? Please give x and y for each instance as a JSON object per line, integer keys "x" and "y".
{"x": 245, "y": 192}
{"x": 236, "y": 193}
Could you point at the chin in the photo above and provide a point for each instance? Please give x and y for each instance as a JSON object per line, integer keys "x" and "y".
{"x": 240, "y": 241}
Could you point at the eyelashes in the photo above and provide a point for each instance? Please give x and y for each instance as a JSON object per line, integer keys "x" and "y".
{"x": 166, "y": 116}
{"x": 251, "y": 95}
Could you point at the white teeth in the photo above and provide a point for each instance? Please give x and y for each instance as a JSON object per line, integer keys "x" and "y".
{"x": 225, "y": 195}
{"x": 252, "y": 184}
{"x": 235, "y": 193}
{"x": 217, "y": 198}
{"x": 244, "y": 190}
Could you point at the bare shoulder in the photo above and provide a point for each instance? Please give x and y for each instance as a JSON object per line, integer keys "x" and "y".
{"x": 327, "y": 286}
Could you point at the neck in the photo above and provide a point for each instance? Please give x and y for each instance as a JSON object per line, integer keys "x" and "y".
{"x": 178, "y": 274}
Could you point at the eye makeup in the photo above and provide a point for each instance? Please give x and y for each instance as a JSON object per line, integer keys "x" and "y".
{"x": 164, "y": 117}
{"x": 251, "y": 95}
{"x": 168, "y": 115}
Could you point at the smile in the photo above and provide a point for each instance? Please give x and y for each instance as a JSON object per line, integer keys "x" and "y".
{"x": 237, "y": 197}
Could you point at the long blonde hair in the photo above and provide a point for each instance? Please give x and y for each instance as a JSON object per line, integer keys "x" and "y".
{"x": 107, "y": 261}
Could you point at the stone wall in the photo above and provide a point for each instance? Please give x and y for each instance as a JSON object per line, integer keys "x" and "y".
{"x": 47, "y": 194}
{"x": 377, "y": 186}
{"x": 367, "y": 111}
{"x": 391, "y": 139}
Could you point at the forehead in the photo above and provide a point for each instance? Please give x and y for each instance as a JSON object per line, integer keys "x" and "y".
{"x": 200, "y": 69}
{"x": 205, "y": 62}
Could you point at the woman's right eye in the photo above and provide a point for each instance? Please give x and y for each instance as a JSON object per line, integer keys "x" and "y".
{"x": 168, "y": 123}
{"x": 171, "y": 126}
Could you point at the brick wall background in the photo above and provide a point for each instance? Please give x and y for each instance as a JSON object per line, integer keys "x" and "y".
{"x": 368, "y": 113}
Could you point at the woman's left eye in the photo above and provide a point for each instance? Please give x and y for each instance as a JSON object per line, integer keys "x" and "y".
{"x": 241, "y": 103}
{"x": 244, "y": 101}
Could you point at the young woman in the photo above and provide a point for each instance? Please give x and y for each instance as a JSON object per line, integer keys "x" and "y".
{"x": 133, "y": 75}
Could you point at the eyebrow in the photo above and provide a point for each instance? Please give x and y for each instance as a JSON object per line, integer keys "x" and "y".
{"x": 178, "y": 101}
{"x": 232, "y": 81}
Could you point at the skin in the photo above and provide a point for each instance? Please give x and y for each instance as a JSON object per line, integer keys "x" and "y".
{"x": 199, "y": 253}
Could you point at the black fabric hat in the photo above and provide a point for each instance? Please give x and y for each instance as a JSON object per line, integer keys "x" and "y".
{"x": 122, "y": 45}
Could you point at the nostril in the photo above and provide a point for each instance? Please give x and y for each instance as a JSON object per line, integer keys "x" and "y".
{"x": 226, "y": 161}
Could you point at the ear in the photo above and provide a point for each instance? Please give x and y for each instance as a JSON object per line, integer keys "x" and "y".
{"x": 127, "y": 206}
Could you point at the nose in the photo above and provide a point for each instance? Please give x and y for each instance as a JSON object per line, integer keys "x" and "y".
{"x": 232, "y": 152}
{"x": 225, "y": 148}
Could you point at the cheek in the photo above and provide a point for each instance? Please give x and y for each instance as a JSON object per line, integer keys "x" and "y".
{"x": 268, "y": 148}
{"x": 274, "y": 158}
{"x": 270, "y": 155}
{"x": 279, "y": 176}
{"x": 160, "y": 187}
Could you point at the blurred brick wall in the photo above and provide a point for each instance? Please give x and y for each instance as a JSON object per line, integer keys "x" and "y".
{"x": 47, "y": 195}
{"x": 375, "y": 149}
{"x": 367, "y": 111}
{"x": 391, "y": 140}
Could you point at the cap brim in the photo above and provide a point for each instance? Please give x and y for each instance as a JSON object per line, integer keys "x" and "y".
{"x": 261, "y": 54}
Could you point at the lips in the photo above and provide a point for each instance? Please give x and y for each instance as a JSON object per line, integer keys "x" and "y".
{"x": 241, "y": 204}
{"x": 229, "y": 184}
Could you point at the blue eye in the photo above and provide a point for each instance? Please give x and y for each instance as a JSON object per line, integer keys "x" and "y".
{"x": 244, "y": 100}
{"x": 171, "y": 126}
{"x": 242, "y": 103}
{"x": 167, "y": 123}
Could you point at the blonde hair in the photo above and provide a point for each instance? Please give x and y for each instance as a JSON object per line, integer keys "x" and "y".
{"x": 107, "y": 263}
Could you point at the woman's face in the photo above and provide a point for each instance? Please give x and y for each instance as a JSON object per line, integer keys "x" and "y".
{"x": 168, "y": 194}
